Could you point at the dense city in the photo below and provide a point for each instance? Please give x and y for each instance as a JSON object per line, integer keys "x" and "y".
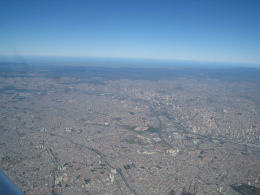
{"x": 95, "y": 133}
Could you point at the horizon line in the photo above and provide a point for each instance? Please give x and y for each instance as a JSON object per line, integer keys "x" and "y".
{"x": 126, "y": 58}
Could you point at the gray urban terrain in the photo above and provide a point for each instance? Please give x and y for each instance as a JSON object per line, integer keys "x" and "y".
{"x": 93, "y": 130}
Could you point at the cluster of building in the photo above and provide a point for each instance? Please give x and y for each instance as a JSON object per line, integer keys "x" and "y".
{"x": 131, "y": 136}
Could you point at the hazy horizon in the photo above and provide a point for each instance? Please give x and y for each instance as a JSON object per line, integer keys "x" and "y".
{"x": 121, "y": 62}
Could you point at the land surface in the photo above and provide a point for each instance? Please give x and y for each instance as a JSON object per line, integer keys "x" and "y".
{"x": 90, "y": 130}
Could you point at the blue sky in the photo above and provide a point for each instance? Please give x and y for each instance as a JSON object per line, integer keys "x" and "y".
{"x": 199, "y": 30}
